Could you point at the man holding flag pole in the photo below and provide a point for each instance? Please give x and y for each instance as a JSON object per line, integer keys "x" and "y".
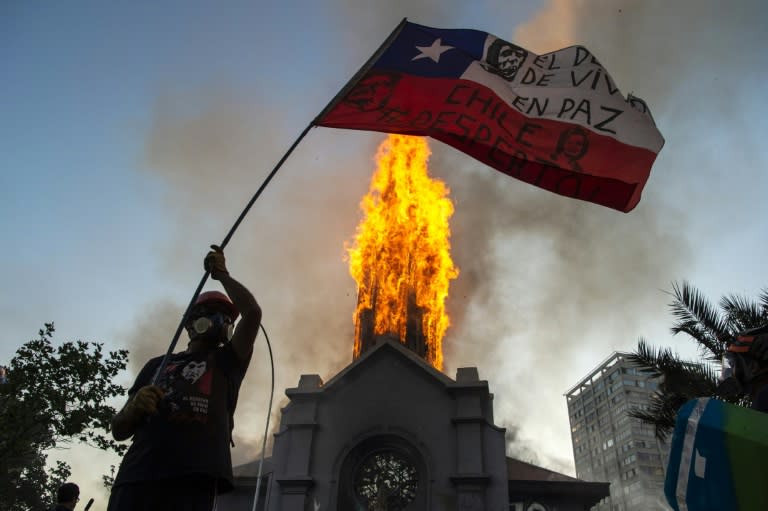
{"x": 180, "y": 409}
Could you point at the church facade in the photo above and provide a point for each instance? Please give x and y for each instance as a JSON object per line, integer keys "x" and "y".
{"x": 389, "y": 432}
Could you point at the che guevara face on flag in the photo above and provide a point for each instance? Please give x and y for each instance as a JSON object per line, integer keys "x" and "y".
{"x": 556, "y": 120}
{"x": 504, "y": 59}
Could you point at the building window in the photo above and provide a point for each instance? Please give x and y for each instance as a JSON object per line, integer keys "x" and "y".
{"x": 386, "y": 480}
{"x": 629, "y": 459}
{"x": 382, "y": 472}
{"x": 649, "y": 458}
{"x": 629, "y": 474}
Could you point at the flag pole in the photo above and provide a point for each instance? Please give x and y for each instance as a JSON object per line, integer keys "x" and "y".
{"x": 223, "y": 244}
{"x": 364, "y": 69}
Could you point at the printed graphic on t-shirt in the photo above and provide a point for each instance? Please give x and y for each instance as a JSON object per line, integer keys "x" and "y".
{"x": 193, "y": 371}
{"x": 187, "y": 384}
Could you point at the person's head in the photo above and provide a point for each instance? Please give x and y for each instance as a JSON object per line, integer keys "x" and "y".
{"x": 505, "y": 59}
{"x": 745, "y": 362}
{"x": 68, "y": 494}
{"x": 211, "y": 319}
{"x": 572, "y": 145}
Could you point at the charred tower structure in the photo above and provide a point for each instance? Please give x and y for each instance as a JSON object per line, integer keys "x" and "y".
{"x": 414, "y": 340}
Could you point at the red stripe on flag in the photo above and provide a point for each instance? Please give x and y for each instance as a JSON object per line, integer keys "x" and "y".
{"x": 562, "y": 157}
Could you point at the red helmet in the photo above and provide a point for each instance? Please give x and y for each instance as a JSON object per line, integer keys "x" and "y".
{"x": 220, "y": 299}
{"x": 746, "y": 340}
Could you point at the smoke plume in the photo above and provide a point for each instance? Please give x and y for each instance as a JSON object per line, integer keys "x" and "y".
{"x": 548, "y": 286}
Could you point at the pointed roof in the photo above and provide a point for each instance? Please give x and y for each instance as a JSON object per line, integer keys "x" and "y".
{"x": 385, "y": 346}
{"x": 528, "y": 479}
{"x": 520, "y": 470}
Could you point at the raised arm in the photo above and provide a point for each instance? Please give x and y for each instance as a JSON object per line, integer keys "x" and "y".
{"x": 250, "y": 312}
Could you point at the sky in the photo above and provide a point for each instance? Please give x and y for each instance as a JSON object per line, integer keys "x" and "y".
{"x": 131, "y": 137}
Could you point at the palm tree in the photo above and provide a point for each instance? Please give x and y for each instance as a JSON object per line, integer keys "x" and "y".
{"x": 712, "y": 328}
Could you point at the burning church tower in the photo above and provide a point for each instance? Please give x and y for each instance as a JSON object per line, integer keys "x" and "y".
{"x": 401, "y": 257}
{"x": 391, "y": 431}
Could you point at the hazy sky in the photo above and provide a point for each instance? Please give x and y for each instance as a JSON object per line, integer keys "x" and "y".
{"x": 132, "y": 136}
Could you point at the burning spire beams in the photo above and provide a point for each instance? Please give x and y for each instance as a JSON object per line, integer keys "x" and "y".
{"x": 401, "y": 257}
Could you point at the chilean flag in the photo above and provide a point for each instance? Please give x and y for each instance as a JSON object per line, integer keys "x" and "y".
{"x": 556, "y": 120}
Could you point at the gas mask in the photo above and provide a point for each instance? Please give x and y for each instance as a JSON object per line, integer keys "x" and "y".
{"x": 732, "y": 372}
{"x": 213, "y": 327}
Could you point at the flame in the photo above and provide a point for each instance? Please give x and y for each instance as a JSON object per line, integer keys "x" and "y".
{"x": 402, "y": 246}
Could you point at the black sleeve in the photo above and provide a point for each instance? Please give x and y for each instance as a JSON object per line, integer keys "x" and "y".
{"x": 145, "y": 375}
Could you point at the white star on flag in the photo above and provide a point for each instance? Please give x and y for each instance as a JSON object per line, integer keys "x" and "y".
{"x": 433, "y": 52}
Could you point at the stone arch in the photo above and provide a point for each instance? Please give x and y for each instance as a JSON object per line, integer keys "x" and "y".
{"x": 383, "y": 471}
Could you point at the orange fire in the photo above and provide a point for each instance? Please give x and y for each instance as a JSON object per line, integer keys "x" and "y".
{"x": 402, "y": 249}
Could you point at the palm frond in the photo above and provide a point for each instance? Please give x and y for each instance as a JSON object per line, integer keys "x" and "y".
{"x": 660, "y": 415}
{"x": 645, "y": 358}
{"x": 742, "y": 313}
{"x": 764, "y": 302}
{"x": 691, "y": 381}
{"x": 696, "y": 317}
{"x": 679, "y": 382}
{"x": 664, "y": 362}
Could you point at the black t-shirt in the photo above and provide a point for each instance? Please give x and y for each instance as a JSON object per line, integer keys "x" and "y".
{"x": 190, "y": 434}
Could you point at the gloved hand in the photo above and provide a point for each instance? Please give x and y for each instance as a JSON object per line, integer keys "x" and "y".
{"x": 144, "y": 402}
{"x": 215, "y": 263}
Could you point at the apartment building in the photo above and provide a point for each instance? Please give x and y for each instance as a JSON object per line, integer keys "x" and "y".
{"x": 610, "y": 446}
